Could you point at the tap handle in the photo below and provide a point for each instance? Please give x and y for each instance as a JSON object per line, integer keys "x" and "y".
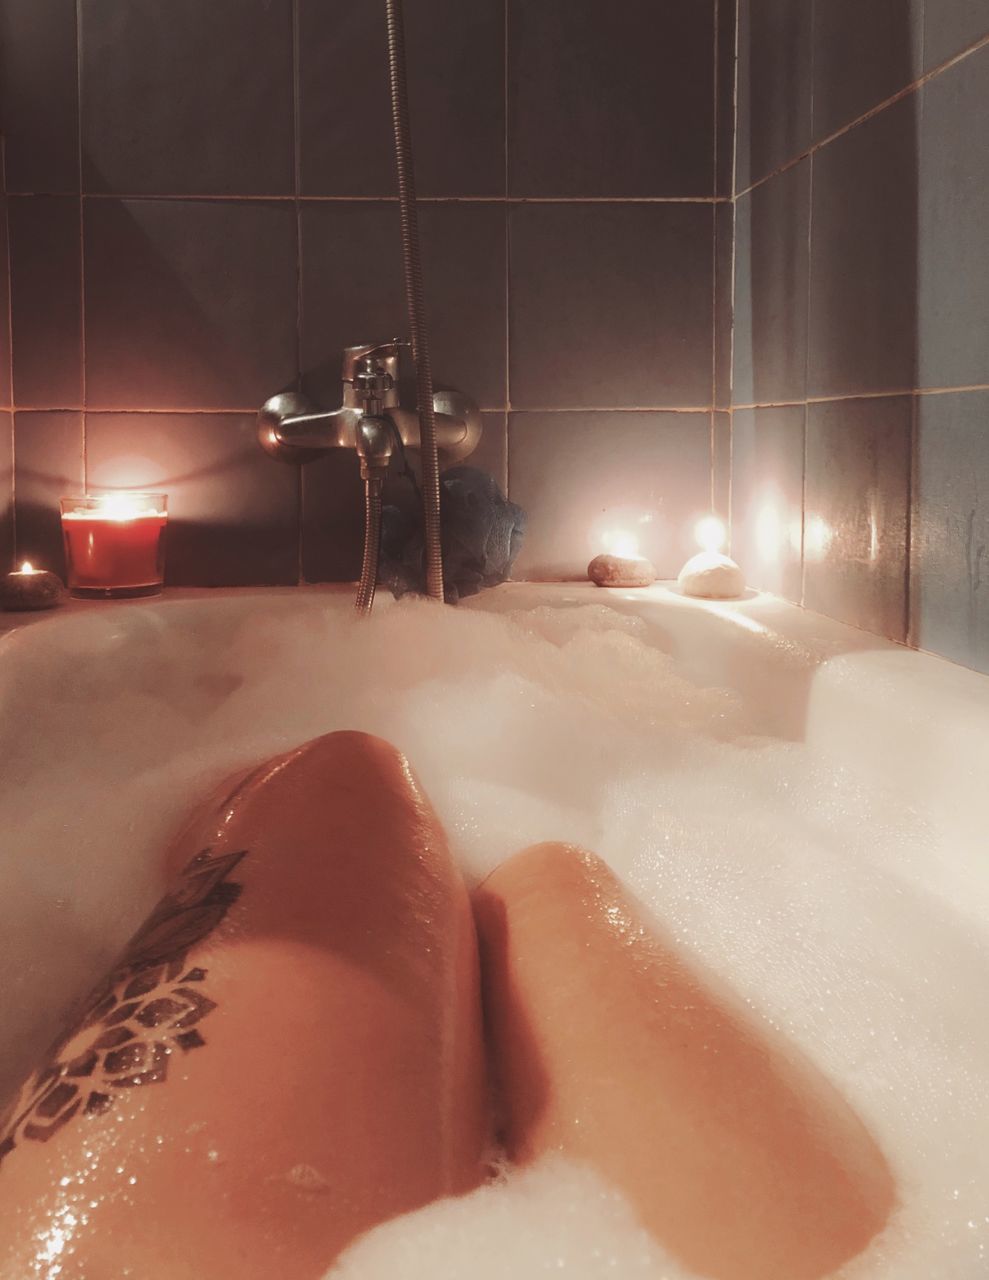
{"x": 384, "y": 353}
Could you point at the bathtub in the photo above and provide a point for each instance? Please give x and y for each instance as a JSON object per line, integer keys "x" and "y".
{"x": 822, "y": 849}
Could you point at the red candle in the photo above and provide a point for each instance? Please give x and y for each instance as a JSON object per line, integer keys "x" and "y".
{"x": 114, "y": 544}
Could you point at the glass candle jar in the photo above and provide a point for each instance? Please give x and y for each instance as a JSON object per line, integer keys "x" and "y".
{"x": 114, "y": 544}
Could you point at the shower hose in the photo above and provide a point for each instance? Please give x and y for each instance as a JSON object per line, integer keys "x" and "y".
{"x": 415, "y": 303}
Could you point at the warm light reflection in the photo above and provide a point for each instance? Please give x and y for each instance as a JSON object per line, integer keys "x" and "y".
{"x": 817, "y": 538}
{"x": 620, "y": 542}
{"x": 769, "y": 533}
{"x": 710, "y": 533}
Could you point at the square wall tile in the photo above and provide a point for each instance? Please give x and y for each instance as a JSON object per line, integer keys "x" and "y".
{"x": 48, "y": 465}
{"x": 772, "y": 262}
{"x": 611, "y": 305}
{"x": 767, "y": 497}
{"x": 773, "y": 123}
{"x": 456, "y": 70}
{"x": 953, "y": 250}
{"x": 724, "y": 261}
{"x": 233, "y": 512}
{"x": 6, "y": 490}
{"x": 333, "y": 502}
{"x": 856, "y": 512}
{"x": 949, "y": 569}
{"x": 602, "y": 103}
{"x": 187, "y": 98}
{"x": 38, "y": 94}
{"x": 46, "y": 304}
{"x": 352, "y": 292}
{"x": 580, "y": 476}
{"x": 863, "y": 54}
{"x": 951, "y": 26}
{"x": 863, "y": 290}
{"x": 189, "y": 304}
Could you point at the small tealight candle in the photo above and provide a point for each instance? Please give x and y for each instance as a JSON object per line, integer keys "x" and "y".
{"x": 621, "y": 565}
{"x": 114, "y": 545}
{"x": 30, "y": 588}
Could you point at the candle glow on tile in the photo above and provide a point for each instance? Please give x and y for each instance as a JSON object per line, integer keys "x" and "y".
{"x": 710, "y": 533}
{"x": 114, "y": 543}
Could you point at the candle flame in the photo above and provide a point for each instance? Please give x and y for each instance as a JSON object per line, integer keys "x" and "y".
{"x": 27, "y": 567}
{"x": 621, "y": 543}
{"x": 710, "y": 533}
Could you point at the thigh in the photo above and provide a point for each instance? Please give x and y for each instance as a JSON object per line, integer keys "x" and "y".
{"x": 288, "y": 1053}
{"x": 738, "y": 1155}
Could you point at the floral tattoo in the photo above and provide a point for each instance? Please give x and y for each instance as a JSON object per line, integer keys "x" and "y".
{"x": 149, "y": 1007}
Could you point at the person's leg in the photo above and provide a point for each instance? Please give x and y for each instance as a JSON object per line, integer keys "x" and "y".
{"x": 289, "y": 1053}
{"x": 739, "y": 1157}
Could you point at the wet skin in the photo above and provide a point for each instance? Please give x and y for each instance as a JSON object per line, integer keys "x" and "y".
{"x": 739, "y": 1157}
{"x": 289, "y": 1054}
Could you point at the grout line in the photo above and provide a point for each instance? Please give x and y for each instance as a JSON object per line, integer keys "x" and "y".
{"x": 908, "y": 627}
{"x": 297, "y": 179}
{"x": 508, "y": 258}
{"x": 733, "y": 269}
{"x": 7, "y": 303}
{"x": 82, "y": 255}
{"x": 715, "y": 345}
{"x": 233, "y": 198}
{"x": 872, "y": 112}
{"x": 805, "y": 416}
{"x": 506, "y": 408}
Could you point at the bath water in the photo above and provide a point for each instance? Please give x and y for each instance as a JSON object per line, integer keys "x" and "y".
{"x": 801, "y": 890}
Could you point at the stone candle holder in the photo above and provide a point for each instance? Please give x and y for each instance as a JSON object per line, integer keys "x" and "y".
{"x": 28, "y": 588}
{"x": 621, "y": 571}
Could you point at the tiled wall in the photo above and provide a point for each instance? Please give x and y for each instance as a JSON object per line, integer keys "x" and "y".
{"x": 202, "y": 212}
{"x": 860, "y": 425}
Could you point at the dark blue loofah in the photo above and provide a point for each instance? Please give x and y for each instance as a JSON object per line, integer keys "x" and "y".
{"x": 481, "y": 531}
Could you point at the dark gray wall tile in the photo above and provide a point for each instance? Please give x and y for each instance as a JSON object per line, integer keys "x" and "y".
{"x": 767, "y": 497}
{"x": 723, "y": 263}
{"x": 863, "y": 54}
{"x": 611, "y": 305}
{"x": 602, "y": 103}
{"x": 332, "y": 518}
{"x": 46, "y": 307}
{"x": 5, "y": 385}
{"x": 949, "y": 579}
{"x": 953, "y": 25}
{"x": 352, "y": 292}
{"x": 772, "y": 260}
{"x": 48, "y": 465}
{"x": 187, "y": 98}
{"x": 774, "y": 82}
{"x": 38, "y": 94}
{"x": 953, "y": 248}
{"x": 580, "y": 474}
{"x": 189, "y": 304}
{"x": 6, "y": 490}
{"x": 232, "y": 511}
{"x": 725, "y": 137}
{"x": 456, "y": 67}
{"x": 863, "y": 292}
{"x": 856, "y": 515}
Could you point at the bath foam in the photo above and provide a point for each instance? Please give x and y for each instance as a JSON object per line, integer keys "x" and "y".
{"x": 812, "y": 897}
{"x": 558, "y": 1215}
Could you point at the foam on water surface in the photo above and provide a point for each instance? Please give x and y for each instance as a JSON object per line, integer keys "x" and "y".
{"x": 797, "y": 886}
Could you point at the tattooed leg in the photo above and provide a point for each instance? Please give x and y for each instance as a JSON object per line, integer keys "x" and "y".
{"x": 287, "y": 1053}
{"x": 739, "y": 1157}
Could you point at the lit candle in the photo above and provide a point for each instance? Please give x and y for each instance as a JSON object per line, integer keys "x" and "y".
{"x": 30, "y": 588}
{"x": 114, "y": 544}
